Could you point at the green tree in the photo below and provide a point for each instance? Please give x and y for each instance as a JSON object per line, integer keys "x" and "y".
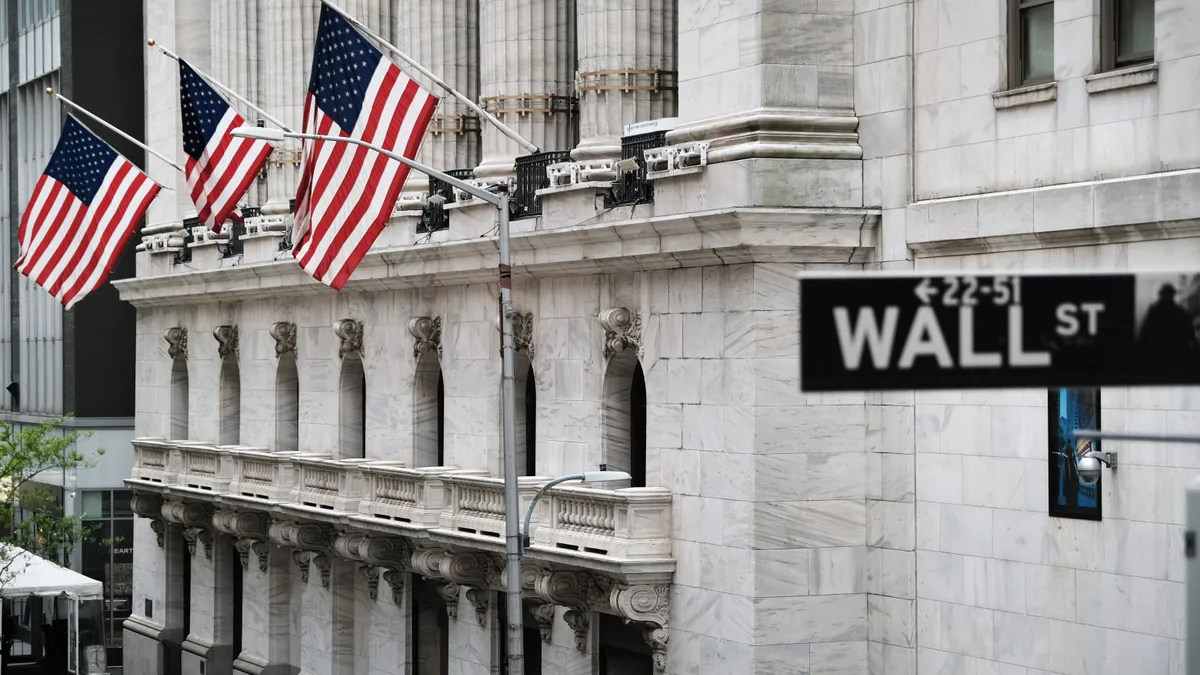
{"x": 30, "y": 515}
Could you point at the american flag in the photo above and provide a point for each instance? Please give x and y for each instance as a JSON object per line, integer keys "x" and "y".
{"x": 219, "y": 166}
{"x": 346, "y": 192}
{"x": 84, "y": 209}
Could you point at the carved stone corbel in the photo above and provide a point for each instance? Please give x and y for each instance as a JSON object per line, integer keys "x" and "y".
{"x": 176, "y": 338}
{"x": 160, "y": 531}
{"x": 323, "y": 567}
{"x": 241, "y": 524}
{"x": 243, "y": 546}
{"x": 263, "y": 551}
{"x": 622, "y": 331}
{"x": 478, "y": 570}
{"x": 350, "y": 332}
{"x": 201, "y": 534}
{"x": 188, "y": 514}
{"x": 303, "y": 536}
{"x": 302, "y": 558}
{"x": 395, "y": 581}
{"x": 578, "y": 620}
{"x": 371, "y": 574}
{"x": 574, "y": 589}
{"x": 149, "y": 505}
{"x": 427, "y": 562}
{"x": 522, "y": 331}
{"x": 649, "y": 606}
{"x": 285, "y": 337}
{"x": 449, "y": 593}
{"x": 227, "y": 341}
{"x": 543, "y": 614}
{"x": 390, "y": 552}
{"x": 428, "y": 335}
{"x": 480, "y": 599}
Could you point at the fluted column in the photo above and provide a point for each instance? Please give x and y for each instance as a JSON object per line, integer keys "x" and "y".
{"x": 285, "y": 59}
{"x": 627, "y": 70}
{"x": 527, "y": 72}
{"x": 235, "y": 33}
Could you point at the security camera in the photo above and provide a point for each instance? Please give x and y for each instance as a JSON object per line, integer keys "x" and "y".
{"x": 1088, "y": 466}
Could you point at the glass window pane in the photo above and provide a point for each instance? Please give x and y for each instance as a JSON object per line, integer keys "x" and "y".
{"x": 121, "y": 503}
{"x": 1037, "y": 42}
{"x": 1135, "y": 29}
{"x": 92, "y": 503}
{"x": 106, "y": 504}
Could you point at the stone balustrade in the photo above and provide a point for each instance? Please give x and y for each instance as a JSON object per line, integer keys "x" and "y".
{"x": 630, "y": 525}
{"x": 626, "y": 524}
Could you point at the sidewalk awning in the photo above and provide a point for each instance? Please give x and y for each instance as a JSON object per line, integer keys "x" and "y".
{"x": 27, "y": 574}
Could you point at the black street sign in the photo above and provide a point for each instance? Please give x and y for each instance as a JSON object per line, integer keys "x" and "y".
{"x": 985, "y": 331}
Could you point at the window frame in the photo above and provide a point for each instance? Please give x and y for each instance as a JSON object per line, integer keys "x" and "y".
{"x": 1110, "y": 38}
{"x": 1055, "y": 509}
{"x": 1016, "y": 63}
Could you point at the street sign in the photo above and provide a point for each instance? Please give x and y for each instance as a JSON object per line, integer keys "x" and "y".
{"x": 989, "y": 330}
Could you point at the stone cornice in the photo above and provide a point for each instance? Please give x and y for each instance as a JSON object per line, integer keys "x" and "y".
{"x": 698, "y": 239}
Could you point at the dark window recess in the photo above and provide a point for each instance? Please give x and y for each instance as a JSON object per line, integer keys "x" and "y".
{"x": 531, "y": 177}
{"x": 434, "y": 216}
{"x": 637, "y": 428}
{"x": 184, "y": 255}
{"x": 1072, "y": 409}
{"x": 623, "y": 651}
{"x": 236, "y": 601}
{"x": 530, "y": 424}
{"x": 1126, "y": 33}
{"x": 632, "y": 187}
{"x": 1031, "y": 42}
{"x": 532, "y": 637}
{"x": 236, "y": 246}
{"x": 441, "y": 421}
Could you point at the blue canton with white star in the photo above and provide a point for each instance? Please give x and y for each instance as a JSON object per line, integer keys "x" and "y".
{"x": 203, "y": 109}
{"x": 343, "y": 65}
{"x": 81, "y": 161}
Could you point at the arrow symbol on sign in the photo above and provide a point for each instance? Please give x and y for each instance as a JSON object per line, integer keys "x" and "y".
{"x": 925, "y": 290}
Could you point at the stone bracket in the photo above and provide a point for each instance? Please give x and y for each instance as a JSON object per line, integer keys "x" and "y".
{"x": 176, "y": 338}
{"x": 579, "y": 622}
{"x": 395, "y": 580}
{"x": 323, "y": 567}
{"x": 648, "y": 606}
{"x": 478, "y": 570}
{"x": 522, "y": 331}
{"x": 303, "y": 536}
{"x": 242, "y": 524}
{"x": 285, "y": 337}
{"x": 350, "y": 332}
{"x": 149, "y": 505}
{"x": 198, "y": 534}
{"x": 622, "y": 331}
{"x": 449, "y": 592}
{"x": 543, "y": 614}
{"x": 480, "y": 599}
{"x": 371, "y": 574}
{"x": 302, "y": 558}
{"x": 227, "y": 341}
{"x": 428, "y": 335}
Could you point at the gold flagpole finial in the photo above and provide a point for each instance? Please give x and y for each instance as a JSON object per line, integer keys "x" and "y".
{"x": 150, "y": 42}
{"x": 49, "y": 91}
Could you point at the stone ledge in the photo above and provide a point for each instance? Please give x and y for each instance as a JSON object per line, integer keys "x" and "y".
{"x": 780, "y": 133}
{"x": 1134, "y": 76}
{"x": 598, "y": 185}
{"x": 1148, "y": 207}
{"x": 727, "y": 236}
{"x": 1022, "y": 96}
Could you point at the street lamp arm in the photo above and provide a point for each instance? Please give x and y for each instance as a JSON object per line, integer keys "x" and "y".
{"x": 529, "y": 514}
{"x": 276, "y": 135}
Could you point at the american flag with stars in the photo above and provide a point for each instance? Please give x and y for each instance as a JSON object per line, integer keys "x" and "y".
{"x": 220, "y": 166}
{"x": 347, "y": 192}
{"x": 84, "y": 209}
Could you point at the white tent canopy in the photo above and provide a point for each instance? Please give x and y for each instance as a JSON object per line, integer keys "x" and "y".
{"x": 30, "y": 575}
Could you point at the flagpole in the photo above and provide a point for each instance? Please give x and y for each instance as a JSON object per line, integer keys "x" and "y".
{"x": 211, "y": 80}
{"x": 504, "y": 128}
{"x": 122, "y": 134}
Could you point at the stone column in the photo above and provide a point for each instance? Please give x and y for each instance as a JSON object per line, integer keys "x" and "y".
{"x": 444, "y": 37}
{"x": 235, "y": 30}
{"x": 527, "y": 57}
{"x": 627, "y": 63}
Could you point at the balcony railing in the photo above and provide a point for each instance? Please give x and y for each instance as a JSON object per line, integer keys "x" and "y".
{"x": 531, "y": 177}
{"x": 328, "y": 484}
{"x": 258, "y": 474}
{"x": 203, "y": 467}
{"x": 627, "y": 524}
{"x": 434, "y": 216}
{"x": 632, "y": 187}
{"x": 412, "y": 496}
{"x": 475, "y": 503}
{"x": 152, "y": 460}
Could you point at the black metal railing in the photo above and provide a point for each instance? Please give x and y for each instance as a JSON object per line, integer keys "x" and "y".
{"x": 434, "y": 216}
{"x": 184, "y": 255}
{"x": 236, "y": 245}
{"x": 531, "y": 177}
{"x": 285, "y": 242}
{"x": 632, "y": 187}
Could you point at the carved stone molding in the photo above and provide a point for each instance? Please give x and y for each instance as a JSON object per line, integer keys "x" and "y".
{"x": 522, "y": 331}
{"x": 578, "y": 620}
{"x": 323, "y": 567}
{"x": 241, "y": 524}
{"x": 574, "y": 589}
{"x": 428, "y": 335}
{"x": 543, "y": 614}
{"x": 371, "y": 574}
{"x": 227, "y": 341}
{"x": 391, "y": 552}
{"x": 285, "y": 337}
{"x": 656, "y": 638}
{"x": 176, "y": 338}
{"x": 302, "y": 558}
{"x": 427, "y": 562}
{"x": 649, "y": 606}
{"x": 449, "y": 593}
{"x": 480, "y": 599}
{"x": 478, "y": 570}
{"x": 263, "y": 551}
{"x": 188, "y": 514}
{"x": 198, "y": 534}
{"x": 146, "y": 505}
{"x": 160, "y": 531}
{"x": 242, "y": 546}
{"x": 622, "y": 331}
{"x": 395, "y": 581}
{"x": 350, "y": 332}
{"x": 304, "y": 536}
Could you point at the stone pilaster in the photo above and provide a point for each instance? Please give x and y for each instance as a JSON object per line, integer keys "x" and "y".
{"x": 627, "y": 70}
{"x": 444, "y": 37}
{"x": 527, "y": 57}
{"x": 235, "y": 31}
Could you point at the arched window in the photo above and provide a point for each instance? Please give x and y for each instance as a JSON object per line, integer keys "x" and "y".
{"x": 352, "y": 408}
{"x": 287, "y": 404}
{"x": 231, "y": 402}
{"x": 179, "y": 399}
{"x": 429, "y": 408}
{"x": 525, "y": 392}
{"x": 625, "y": 417}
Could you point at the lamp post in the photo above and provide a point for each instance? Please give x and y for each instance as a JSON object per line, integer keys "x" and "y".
{"x": 586, "y": 477}
{"x": 516, "y": 644}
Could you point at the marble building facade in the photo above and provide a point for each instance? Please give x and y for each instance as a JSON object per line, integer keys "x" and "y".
{"x": 320, "y": 482}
